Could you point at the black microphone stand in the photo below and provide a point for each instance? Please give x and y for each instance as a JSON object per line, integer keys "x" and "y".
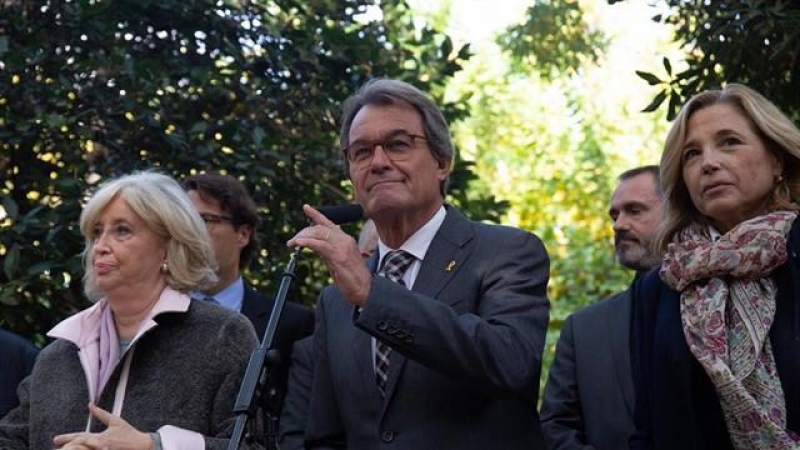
{"x": 262, "y": 360}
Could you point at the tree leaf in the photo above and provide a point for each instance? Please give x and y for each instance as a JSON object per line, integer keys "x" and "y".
{"x": 674, "y": 105}
{"x": 39, "y": 268}
{"x": 11, "y": 207}
{"x": 258, "y": 136}
{"x": 651, "y": 79}
{"x": 10, "y": 262}
{"x": 657, "y": 101}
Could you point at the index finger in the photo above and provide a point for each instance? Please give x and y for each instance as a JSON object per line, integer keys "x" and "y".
{"x": 317, "y": 217}
{"x": 101, "y": 414}
{"x": 63, "y": 439}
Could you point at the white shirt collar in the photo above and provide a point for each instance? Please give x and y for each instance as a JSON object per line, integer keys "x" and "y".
{"x": 419, "y": 242}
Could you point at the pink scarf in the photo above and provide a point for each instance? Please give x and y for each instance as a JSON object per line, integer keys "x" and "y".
{"x": 727, "y": 309}
{"x": 109, "y": 349}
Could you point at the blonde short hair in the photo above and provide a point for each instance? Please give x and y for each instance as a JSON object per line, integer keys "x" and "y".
{"x": 778, "y": 132}
{"x": 165, "y": 208}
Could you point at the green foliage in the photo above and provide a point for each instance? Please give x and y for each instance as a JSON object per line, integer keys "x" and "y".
{"x": 556, "y": 176}
{"x": 753, "y": 42}
{"x": 554, "y": 40}
{"x": 480, "y": 204}
{"x": 552, "y": 143}
{"x": 95, "y": 89}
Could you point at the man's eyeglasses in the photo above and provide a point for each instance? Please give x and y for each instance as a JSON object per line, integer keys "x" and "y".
{"x": 397, "y": 146}
{"x": 213, "y": 219}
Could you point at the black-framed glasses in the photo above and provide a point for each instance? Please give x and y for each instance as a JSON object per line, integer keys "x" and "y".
{"x": 397, "y": 146}
{"x": 213, "y": 219}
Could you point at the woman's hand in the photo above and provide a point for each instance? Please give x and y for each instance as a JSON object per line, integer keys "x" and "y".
{"x": 119, "y": 435}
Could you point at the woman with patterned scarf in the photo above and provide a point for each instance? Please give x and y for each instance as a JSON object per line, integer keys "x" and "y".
{"x": 716, "y": 329}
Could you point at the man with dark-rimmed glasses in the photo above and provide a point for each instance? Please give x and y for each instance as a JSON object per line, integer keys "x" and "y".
{"x": 436, "y": 342}
{"x": 232, "y": 218}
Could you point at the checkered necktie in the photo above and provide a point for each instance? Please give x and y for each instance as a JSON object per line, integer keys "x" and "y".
{"x": 395, "y": 264}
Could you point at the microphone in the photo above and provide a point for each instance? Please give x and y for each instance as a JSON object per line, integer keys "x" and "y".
{"x": 340, "y": 214}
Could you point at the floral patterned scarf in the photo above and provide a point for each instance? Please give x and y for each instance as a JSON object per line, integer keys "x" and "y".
{"x": 727, "y": 308}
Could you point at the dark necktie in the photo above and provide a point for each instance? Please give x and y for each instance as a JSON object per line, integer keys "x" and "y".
{"x": 211, "y": 299}
{"x": 395, "y": 264}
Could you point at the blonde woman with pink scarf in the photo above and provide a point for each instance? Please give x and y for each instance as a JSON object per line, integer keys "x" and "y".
{"x": 716, "y": 330}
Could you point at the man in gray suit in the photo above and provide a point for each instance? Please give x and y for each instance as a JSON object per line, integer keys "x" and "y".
{"x": 588, "y": 398}
{"x": 436, "y": 342}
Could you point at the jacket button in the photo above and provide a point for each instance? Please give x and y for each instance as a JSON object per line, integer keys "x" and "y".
{"x": 387, "y": 436}
{"x": 382, "y": 325}
{"x": 408, "y": 339}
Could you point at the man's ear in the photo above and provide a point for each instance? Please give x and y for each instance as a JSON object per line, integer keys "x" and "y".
{"x": 244, "y": 234}
{"x": 444, "y": 167}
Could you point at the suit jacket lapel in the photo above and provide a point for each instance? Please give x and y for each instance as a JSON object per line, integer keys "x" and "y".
{"x": 444, "y": 258}
{"x": 446, "y": 255}
{"x": 619, "y": 321}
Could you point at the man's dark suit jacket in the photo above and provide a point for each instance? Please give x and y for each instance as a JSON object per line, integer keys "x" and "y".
{"x": 16, "y": 361}
{"x": 294, "y": 416}
{"x": 588, "y": 398}
{"x": 676, "y": 403}
{"x": 296, "y": 323}
{"x": 467, "y": 345}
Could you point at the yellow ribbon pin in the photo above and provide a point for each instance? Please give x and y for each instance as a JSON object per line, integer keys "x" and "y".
{"x": 449, "y": 267}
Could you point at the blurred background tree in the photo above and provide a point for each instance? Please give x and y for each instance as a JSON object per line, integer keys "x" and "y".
{"x": 554, "y": 40}
{"x": 554, "y": 118}
{"x": 96, "y": 89}
{"x": 756, "y": 43}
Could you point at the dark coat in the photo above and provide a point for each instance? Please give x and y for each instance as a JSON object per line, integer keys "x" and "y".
{"x": 16, "y": 361}
{"x": 294, "y": 416}
{"x": 297, "y": 322}
{"x": 676, "y": 404}
{"x": 588, "y": 398}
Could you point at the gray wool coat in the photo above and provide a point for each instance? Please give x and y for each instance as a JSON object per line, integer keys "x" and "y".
{"x": 185, "y": 372}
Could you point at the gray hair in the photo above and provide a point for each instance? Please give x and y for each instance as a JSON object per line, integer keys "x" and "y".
{"x": 384, "y": 92}
{"x": 166, "y": 210}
